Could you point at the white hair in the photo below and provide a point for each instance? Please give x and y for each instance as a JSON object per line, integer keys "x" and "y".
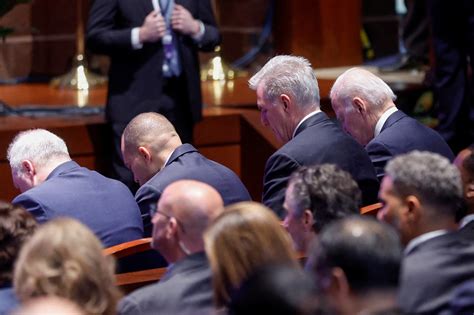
{"x": 36, "y": 145}
{"x": 288, "y": 75}
{"x": 364, "y": 84}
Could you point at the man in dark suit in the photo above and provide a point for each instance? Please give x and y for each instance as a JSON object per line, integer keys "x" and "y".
{"x": 288, "y": 99}
{"x": 53, "y": 185}
{"x": 356, "y": 266}
{"x": 422, "y": 192}
{"x": 154, "y": 153}
{"x": 153, "y": 46}
{"x": 465, "y": 163}
{"x": 185, "y": 210}
{"x": 364, "y": 105}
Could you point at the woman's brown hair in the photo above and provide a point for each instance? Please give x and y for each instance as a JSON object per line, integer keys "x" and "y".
{"x": 245, "y": 237}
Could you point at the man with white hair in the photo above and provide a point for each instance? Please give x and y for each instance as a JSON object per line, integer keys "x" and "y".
{"x": 53, "y": 185}
{"x": 288, "y": 99}
{"x": 364, "y": 105}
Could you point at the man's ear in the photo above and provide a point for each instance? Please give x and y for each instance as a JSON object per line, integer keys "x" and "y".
{"x": 308, "y": 220}
{"x": 359, "y": 105}
{"x": 412, "y": 209}
{"x": 286, "y": 101}
{"x": 470, "y": 190}
{"x": 28, "y": 168}
{"x": 171, "y": 228}
{"x": 145, "y": 153}
{"x": 339, "y": 286}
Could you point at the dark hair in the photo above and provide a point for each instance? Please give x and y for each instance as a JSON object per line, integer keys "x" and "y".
{"x": 369, "y": 252}
{"x": 276, "y": 290}
{"x": 328, "y": 191}
{"x": 16, "y": 225}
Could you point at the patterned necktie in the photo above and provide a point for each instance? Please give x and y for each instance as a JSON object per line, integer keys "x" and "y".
{"x": 171, "y": 65}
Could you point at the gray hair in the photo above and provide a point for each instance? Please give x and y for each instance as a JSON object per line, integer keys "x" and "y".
{"x": 288, "y": 75}
{"x": 362, "y": 83}
{"x": 36, "y": 145}
{"x": 430, "y": 177}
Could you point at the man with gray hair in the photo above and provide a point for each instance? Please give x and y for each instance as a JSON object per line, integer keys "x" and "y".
{"x": 185, "y": 209}
{"x": 53, "y": 185}
{"x": 421, "y": 192}
{"x": 288, "y": 99}
{"x": 315, "y": 196}
{"x": 364, "y": 105}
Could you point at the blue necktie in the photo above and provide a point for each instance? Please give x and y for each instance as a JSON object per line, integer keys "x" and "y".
{"x": 171, "y": 65}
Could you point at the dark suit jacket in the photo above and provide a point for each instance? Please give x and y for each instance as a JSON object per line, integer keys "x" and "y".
{"x": 104, "y": 205}
{"x": 432, "y": 270}
{"x": 187, "y": 163}
{"x": 467, "y": 231}
{"x": 135, "y": 76}
{"x": 185, "y": 289}
{"x": 401, "y": 134}
{"x": 317, "y": 140}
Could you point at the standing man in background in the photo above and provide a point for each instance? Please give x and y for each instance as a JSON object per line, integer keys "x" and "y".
{"x": 153, "y": 46}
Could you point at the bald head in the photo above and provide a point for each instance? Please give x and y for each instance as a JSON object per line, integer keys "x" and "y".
{"x": 192, "y": 205}
{"x": 147, "y": 142}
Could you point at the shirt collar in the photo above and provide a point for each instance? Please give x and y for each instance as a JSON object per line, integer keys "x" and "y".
{"x": 422, "y": 239}
{"x": 383, "y": 119}
{"x": 167, "y": 159}
{"x": 305, "y": 118}
{"x": 466, "y": 220}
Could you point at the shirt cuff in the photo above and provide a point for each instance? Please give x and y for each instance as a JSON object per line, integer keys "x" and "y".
{"x": 136, "y": 38}
{"x": 197, "y": 38}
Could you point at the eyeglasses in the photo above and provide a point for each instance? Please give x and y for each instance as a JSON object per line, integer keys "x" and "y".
{"x": 152, "y": 212}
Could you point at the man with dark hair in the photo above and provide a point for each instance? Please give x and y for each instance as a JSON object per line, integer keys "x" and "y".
{"x": 316, "y": 196}
{"x": 356, "y": 265}
{"x": 153, "y": 151}
{"x": 465, "y": 163}
{"x": 16, "y": 226}
{"x": 289, "y": 103}
{"x": 422, "y": 193}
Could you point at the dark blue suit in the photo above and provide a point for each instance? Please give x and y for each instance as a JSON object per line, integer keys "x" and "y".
{"x": 431, "y": 272}
{"x": 187, "y": 163}
{"x": 317, "y": 140}
{"x": 104, "y": 205}
{"x": 401, "y": 134}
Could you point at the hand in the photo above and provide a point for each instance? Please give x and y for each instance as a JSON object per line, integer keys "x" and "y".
{"x": 153, "y": 28}
{"x": 182, "y": 21}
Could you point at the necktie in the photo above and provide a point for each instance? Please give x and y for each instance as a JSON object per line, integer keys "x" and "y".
{"x": 171, "y": 65}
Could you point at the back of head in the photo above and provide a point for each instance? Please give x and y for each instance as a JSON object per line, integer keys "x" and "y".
{"x": 357, "y": 82}
{"x": 16, "y": 226}
{"x": 276, "y": 290}
{"x": 288, "y": 75}
{"x": 327, "y": 190}
{"x": 368, "y": 252}
{"x": 246, "y": 236}
{"x": 38, "y": 146}
{"x": 431, "y": 178}
{"x": 64, "y": 259}
{"x": 148, "y": 129}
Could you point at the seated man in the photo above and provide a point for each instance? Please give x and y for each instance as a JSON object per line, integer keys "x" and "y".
{"x": 288, "y": 99}
{"x": 465, "y": 163}
{"x": 365, "y": 107}
{"x": 422, "y": 192}
{"x": 316, "y": 196}
{"x": 154, "y": 153}
{"x": 185, "y": 210}
{"x": 53, "y": 185}
{"x": 356, "y": 265}
{"x": 16, "y": 226}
